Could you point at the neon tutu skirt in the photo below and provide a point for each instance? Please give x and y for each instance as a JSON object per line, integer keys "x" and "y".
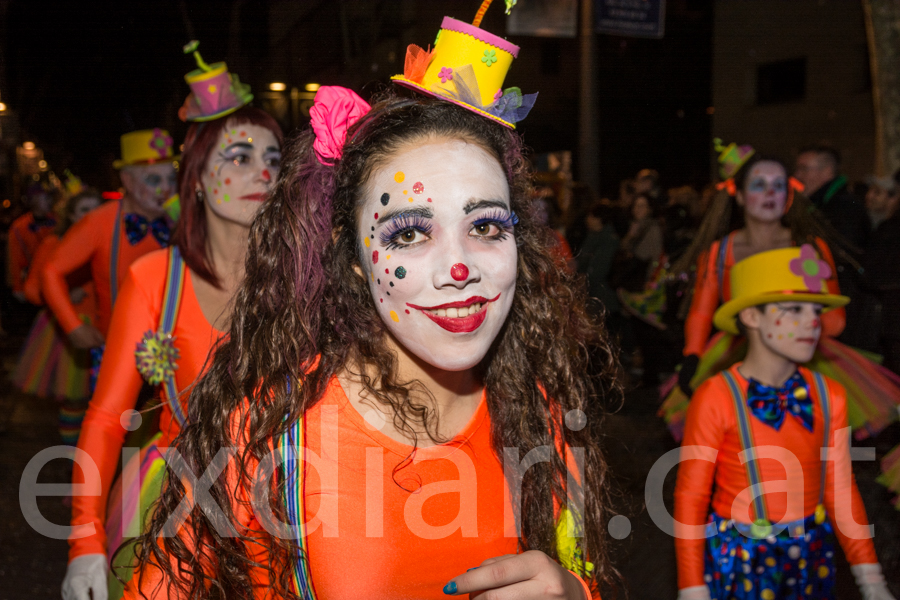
{"x": 48, "y": 366}
{"x": 873, "y": 392}
{"x": 128, "y": 511}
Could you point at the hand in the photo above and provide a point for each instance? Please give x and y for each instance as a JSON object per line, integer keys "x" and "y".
{"x": 86, "y": 336}
{"x": 532, "y": 574}
{"x": 686, "y": 373}
{"x": 76, "y": 295}
{"x": 871, "y": 582}
{"x": 698, "y": 592}
{"x": 86, "y": 578}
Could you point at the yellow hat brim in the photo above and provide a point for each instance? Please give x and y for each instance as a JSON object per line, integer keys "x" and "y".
{"x": 121, "y": 164}
{"x": 726, "y": 316}
{"x": 419, "y": 88}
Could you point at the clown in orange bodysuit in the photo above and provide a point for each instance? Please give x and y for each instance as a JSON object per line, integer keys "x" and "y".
{"x": 776, "y": 545}
{"x": 227, "y": 168}
{"x": 26, "y": 234}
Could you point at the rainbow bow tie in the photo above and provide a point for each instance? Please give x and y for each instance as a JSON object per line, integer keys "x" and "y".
{"x": 137, "y": 227}
{"x": 769, "y": 404}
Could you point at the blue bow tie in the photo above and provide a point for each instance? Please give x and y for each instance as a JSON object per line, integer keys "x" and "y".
{"x": 41, "y": 223}
{"x": 137, "y": 227}
{"x": 769, "y": 404}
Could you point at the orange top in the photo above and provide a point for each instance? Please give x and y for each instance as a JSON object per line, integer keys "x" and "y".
{"x": 119, "y": 382}
{"x": 417, "y": 528}
{"x": 711, "y": 423}
{"x": 87, "y": 306}
{"x": 21, "y": 247}
{"x": 707, "y": 297}
{"x": 89, "y": 242}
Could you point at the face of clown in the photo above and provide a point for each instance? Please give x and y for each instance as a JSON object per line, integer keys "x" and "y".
{"x": 41, "y": 204}
{"x": 83, "y": 207}
{"x": 789, "y": 329}
{"x": 439, "y": 252}
{"x": 239, "y": 171}
{"x": 148, "y": 186}
{"x": 764, "y": 196}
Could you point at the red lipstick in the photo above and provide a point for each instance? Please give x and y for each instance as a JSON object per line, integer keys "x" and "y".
{"x": 257, "y": 197}
{"x": 458, "y": 324}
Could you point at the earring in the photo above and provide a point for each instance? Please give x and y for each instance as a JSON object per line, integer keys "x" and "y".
{"x": 200, "y": 195}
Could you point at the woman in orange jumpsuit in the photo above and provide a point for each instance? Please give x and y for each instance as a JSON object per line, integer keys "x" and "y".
{"x": 49, "y": 366}
{"x": 405, "y": 343}
{"x": 776, "y": 216}
{"x": 170, "y": 312}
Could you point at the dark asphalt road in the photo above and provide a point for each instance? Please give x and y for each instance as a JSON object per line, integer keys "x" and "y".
{"x": 32, "y": 566}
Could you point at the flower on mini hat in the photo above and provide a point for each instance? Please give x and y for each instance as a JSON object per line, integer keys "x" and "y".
{"x": 446, "y": 74}
{"x": 811, "y": 268}
{"x": 490, "y": 57}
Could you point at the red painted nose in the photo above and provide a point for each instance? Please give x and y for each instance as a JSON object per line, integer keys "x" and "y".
{"x": 815, "y": 323}
{"x": 266, "y": 175}
{"x": 459, "y": 272}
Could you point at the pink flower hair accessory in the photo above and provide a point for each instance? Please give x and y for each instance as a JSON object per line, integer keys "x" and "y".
{"x": 811, "y": 268}
{"x": 334, "y": 111}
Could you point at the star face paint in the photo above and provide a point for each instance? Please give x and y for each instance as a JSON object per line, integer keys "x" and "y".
{"x": 764, "y": 196}
{"x": 446, "y": 322}
{"x": 238, "y": 176}
{"x": 791, "y": 329}
{"x": 150, "y": 185}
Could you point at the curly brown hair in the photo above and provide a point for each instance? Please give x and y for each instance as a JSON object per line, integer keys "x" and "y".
{"x": 304, "y": 314}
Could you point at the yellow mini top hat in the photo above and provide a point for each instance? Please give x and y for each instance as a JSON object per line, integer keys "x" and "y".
{"x": 788, "y": 274}
{"x": 146, "y": 147}
{"x": 467, "y": 67}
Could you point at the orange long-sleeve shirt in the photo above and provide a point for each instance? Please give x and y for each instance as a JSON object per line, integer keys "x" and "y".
{"x": 21, "y": 248}
{"x": 137, "y": 311}
{"x": 707, "y": 296}
{"x": 89, "y": 242}
{"x": 81, "y": 278}
{"x": 413, "y": 542}
{"x": 712, "y": 423}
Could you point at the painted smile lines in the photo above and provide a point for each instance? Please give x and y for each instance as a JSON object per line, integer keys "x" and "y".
{"x": 462, "y": 316}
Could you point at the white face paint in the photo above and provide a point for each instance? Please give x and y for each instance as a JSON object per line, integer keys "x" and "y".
{"x": 241, "y": 167}
{"x": 764, "y": 196}
{"x": 436, "y": 230}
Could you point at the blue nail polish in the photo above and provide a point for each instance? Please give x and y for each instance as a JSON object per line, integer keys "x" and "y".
{"x": 450, "y": 588}
{"x": 472, "y": 569}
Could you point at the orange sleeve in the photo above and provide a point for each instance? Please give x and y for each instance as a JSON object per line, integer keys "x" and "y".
{"x": 75, "y": 250}
{"x": 698, "y": 325}
{"x": 841, "y": 492}
{"x": 833, "y": 321}
{"x": 118, "y": 385}
{"x": 705, "y": 426}
{"x": 41, "y": 257}
{"x": 17, "y": 261}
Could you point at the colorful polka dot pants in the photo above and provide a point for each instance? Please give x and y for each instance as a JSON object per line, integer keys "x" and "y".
{"x": 797, "y": 563}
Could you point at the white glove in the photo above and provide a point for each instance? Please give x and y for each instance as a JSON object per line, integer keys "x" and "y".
{"x": 86, "y": 575}
{"x": 871, "y": 582}
{"x": 698, "y": 592}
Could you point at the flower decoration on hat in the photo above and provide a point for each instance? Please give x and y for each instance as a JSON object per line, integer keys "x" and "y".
{"x": 156, "y": 357}
{"x": 334, "y": 111}
{"x": 214, "y": 91}
{"x": 811, "y": 268}
{"x": 161, "y": 142}
{"x": 467, "y": 67}
{"x": 732, "y": 157}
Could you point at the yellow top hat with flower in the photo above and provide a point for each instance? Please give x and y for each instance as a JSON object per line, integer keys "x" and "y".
{"x": 787, "y": 274}
{"x": 146, "y": 147}
{"x": 467, "y": 67}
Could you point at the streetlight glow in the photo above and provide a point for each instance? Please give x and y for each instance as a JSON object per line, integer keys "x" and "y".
{"x": 277, "y": 86}
{"x": 312, "y": 87}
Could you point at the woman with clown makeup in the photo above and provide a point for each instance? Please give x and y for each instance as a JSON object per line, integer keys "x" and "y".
{"x": 171, "y": 310}
{"x": 403, "y": 408}
{"x": 773, "y": 213}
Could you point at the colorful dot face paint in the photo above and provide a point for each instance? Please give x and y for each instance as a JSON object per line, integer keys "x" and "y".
{"x": 765, "y": 192}
{"x": 374, "y": 257}
{"x": 791, "y": 329}
{"x": 459, "y": 272}
{"x": 446, "y": 322}
{"x": 239, "y": 172}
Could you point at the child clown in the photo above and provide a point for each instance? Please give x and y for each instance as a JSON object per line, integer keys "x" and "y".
{"x": 754, "y": 442}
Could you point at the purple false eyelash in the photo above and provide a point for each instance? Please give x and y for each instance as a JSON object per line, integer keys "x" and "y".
{"x": 400, "y": 224}
{"x": 504, "y": 220}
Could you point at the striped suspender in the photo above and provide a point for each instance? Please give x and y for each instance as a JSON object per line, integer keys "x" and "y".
{"x": 762, "y": 527}
{"x": 114, "y": 256}
{"x": 168, "y": 315}
{"x": 293, "y": 446}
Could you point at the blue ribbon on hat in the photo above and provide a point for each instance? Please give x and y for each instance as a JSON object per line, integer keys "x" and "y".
{"x": 769, "y": 404}
{"x": 512, "y": 106}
